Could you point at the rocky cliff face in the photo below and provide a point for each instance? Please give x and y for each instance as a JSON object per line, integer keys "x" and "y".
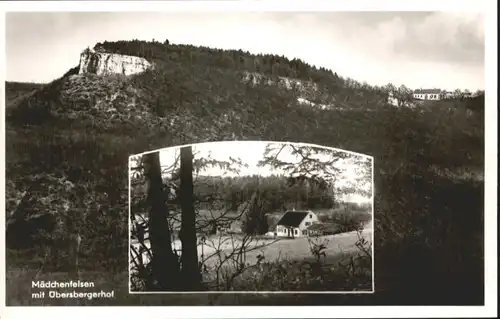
{"x": 102, "y": 63}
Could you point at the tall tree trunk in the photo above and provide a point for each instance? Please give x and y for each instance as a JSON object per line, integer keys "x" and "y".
{"x": 165, "y": 266}
{"x": 190, "y": 270}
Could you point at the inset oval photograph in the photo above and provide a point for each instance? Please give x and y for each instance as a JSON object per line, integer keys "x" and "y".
{"x": 251, "y": 216}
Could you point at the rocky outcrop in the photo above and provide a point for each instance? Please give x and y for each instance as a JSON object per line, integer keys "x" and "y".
{"x": 102, "y": 63}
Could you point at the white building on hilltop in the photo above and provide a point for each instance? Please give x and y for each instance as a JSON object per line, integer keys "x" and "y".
{"x": 428, "y": 94}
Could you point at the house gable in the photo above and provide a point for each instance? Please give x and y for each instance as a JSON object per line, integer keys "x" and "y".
{"x": 309, "y": 220}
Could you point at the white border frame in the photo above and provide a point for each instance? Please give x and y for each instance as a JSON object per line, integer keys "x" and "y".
{"x": 254, "y": 292}
{"x": 487, "y": 7}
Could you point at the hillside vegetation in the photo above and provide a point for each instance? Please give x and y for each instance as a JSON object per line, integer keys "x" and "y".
{"x": 82, "y": 128}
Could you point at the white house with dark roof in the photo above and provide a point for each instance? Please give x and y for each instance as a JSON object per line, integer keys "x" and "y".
{"x": 295, "y": 223}
{"x": 428, "y": 94}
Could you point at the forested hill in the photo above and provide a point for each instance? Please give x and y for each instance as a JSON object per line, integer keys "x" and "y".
{"x": 331, "y": 87}
{"x": 79, "y": 131}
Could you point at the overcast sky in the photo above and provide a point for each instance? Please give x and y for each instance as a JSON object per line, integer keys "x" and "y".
{"x": 418, "y": 49}
{"x": 251, "y": 152}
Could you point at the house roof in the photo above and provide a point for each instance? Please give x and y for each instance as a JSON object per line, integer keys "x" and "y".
{"x": 427, "y": 91}
{"x": 293, "y": 219}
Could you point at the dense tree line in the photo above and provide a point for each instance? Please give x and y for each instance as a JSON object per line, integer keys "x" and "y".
{"x": 278, "y": 192}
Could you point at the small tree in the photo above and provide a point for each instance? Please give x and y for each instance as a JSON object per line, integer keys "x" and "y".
{"x": 458, "y": 94}
{"x": 256, "y": 221}
{"x": 404, "y": 96}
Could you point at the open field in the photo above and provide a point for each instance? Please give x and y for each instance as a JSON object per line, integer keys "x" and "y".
{"x": 276, "y": 249}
